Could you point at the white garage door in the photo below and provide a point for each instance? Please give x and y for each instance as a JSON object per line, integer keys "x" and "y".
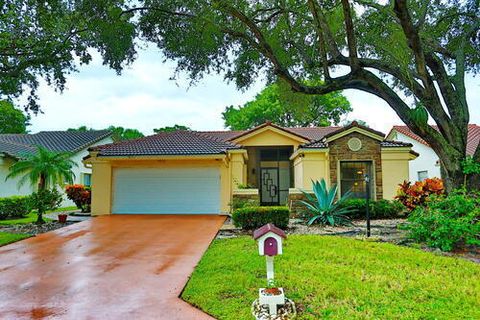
{"x": 193, "y": 190}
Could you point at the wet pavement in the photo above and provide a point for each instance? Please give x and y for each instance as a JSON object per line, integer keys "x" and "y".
{"x": 110, "y": 267}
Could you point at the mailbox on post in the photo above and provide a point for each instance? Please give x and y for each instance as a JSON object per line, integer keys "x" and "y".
{"x": 270, "y": 243}
{"x": 270, "y": 240}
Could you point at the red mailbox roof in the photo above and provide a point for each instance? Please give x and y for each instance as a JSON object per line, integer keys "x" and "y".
{"x": 266, "y": 229}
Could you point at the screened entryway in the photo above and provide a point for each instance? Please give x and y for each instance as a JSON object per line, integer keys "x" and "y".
{"x": 275, "y": 176}
{"x": 352, "y": 178}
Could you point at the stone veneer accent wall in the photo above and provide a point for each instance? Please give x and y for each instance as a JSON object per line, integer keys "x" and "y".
{"x": 370, "y": 150}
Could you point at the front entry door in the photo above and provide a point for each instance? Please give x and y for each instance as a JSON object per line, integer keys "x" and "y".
{"x": 269, "y": 187}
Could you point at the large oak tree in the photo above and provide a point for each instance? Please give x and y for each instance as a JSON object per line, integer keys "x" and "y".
{"x": 413, "y": 54}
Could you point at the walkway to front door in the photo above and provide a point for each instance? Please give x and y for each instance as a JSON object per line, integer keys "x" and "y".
{"x": 110, "y": 267}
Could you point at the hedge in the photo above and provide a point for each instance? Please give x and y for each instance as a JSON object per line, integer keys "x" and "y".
{"x": 254, "y": 217}
{"x": 15, "y": 207}
{"x": 381, "y": 209}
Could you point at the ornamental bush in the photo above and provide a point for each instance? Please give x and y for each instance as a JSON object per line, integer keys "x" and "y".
{"x": 417, "y": 194}
{"x": 15, "y": 207}
{"x": 254, "y": 217}
{"x": 447, "y": 222}
{"x": 80, "y": 195}
{"x": 381, "y": 209}
{"x": 44, "y": 200}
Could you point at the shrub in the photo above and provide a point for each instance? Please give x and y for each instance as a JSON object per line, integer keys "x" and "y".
{"x": 15, "y": 207}
{"x": 238, "y": 203}
{"x": 44, "y": 200}
{"x": 447, "y": 222}
{"x": 417, "y": 194}
{"x": 254, "y": 217}
{"x": 381, "y": 209}
{"x": 80, "y": 195}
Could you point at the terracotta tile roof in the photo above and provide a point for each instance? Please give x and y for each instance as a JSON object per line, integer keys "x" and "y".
{"x": 168, "y": 143}
{"x": 473, "y": 138}
{"x": 212, "y": 142}
{"x": 16, "y": 145}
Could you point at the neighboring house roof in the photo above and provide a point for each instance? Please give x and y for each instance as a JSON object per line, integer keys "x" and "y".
{"x": 17, "y": 145}
{"x": 217, "y": 142}
{"x": 473, "y": 138}
{"x": 180, "y": 142}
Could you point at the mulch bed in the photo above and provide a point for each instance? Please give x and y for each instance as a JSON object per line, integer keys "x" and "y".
{"x": 32, "y": 228}
{"x": 381, "y": 230}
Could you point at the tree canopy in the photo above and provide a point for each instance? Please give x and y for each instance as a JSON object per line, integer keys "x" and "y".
{"x": 48, "y": 39}
{"x": 12, "y": 120}
{"x": 283, "y": 107}
{"x": 418, "y": 49}
{"x": 173, "y": 128}
{"x": 118, "y": 133}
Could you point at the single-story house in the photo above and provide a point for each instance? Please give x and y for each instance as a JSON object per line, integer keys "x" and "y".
{"x": 15, "y": 146}
{"x": 427, "y": 164}
{"x": 192, "y": 172}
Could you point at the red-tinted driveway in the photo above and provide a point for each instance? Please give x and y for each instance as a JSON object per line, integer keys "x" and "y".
{"x": 110, "y": 267}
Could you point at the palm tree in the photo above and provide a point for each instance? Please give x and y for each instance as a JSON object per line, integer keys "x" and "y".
{"x": 45, "y": 168}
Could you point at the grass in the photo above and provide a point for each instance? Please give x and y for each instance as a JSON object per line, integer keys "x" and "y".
{"x": 6, "y": 238}
{"x": 337, "y": 278}
{"x": 32, "y": 217}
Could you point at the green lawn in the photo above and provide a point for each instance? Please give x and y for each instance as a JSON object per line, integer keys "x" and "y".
{"x": 32, "y": 217}
{"x": 337, "y": 278}
{"x": 6, "y": 238}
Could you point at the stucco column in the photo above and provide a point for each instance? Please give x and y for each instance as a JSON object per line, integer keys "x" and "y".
{"x": 101, "y": 188}
{"x": 237, "y": 165}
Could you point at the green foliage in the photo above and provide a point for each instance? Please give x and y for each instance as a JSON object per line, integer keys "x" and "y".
{"x": 323, "y": 208}
{"x": 254, "y": 217}
{"x": 447, "y": 222}
{"x": 173, "y": 128}
{"x": 118, "y": 133}
{"x": 48, "y": 39}
{"x": 337, "y": 278}
{"x": 6, "y": 238}
{"x": 45, "y": 167}
{"x": 283, "y": 107}
{"x": 470, "y": 166}
{"x": 15, "y": 207}
{"x": 44, "y": 200}
{"x": 238, "y": 203}
{"x": 381, "y": 209}
{"x": 12, "y": 120}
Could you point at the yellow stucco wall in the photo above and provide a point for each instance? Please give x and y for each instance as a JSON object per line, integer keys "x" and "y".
{"x": 102, "y": 183}
{"x": 395, "y": 170}
{"x": 101, "y": 188}
{"x": 310, "y": 166}
{"x": 238, "y": 169}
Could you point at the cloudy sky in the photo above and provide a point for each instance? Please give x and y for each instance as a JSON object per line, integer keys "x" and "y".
{"x": 145, "y": 97}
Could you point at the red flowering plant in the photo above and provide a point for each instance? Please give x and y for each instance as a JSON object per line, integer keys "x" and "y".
{"x": 417, "y": 194}
{"x": 80, "y": 195}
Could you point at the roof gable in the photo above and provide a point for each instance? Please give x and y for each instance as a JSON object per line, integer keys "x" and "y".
{"x": 268, "y": 126}
{"x": 355, "y": 127}
{"x": 473, "y": 138}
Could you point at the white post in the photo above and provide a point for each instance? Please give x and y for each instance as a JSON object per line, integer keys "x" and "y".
{"x": 270, "y": 273}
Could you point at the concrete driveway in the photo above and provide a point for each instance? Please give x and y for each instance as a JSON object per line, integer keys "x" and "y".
{"x": 110, "y": 267}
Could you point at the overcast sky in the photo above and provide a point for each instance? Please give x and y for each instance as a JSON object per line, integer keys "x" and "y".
{"x": 145, "y": 98}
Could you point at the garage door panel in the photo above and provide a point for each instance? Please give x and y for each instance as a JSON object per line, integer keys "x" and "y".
{"x": 166, "y": 190}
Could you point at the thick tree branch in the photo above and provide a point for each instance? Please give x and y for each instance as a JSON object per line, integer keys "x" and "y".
{"x": 351, "y": 41}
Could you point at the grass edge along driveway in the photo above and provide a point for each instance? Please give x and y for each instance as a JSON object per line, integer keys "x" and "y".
{"x": 7, "y": 238}
{"x": 337, "y": 278}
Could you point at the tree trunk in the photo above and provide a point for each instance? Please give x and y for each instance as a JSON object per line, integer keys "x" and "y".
{"x": 40, "y": 218}
{"x": 452, "y": 175}
{"x": 41, "y": 183}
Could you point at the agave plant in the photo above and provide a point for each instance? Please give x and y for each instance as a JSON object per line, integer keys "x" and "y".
{"x": 323, "y": 206}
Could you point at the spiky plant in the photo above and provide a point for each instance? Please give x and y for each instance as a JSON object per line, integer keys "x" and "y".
{"x": 323, "y": 207}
